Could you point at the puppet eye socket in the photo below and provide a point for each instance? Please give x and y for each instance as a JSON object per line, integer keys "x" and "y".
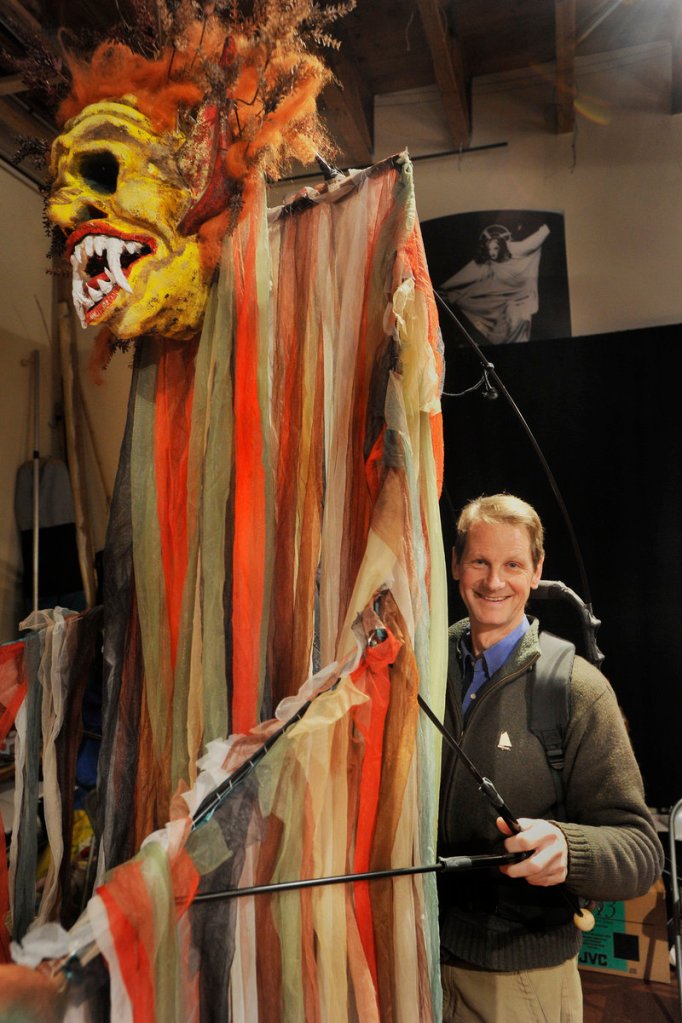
{"x": 100, "y": 171}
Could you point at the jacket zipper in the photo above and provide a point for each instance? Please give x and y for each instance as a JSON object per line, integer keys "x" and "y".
{"x": 527, "y": 665}
{"x": 487, "y": 690}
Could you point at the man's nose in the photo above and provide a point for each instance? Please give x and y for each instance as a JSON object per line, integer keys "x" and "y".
{"x": 494, "y": 578}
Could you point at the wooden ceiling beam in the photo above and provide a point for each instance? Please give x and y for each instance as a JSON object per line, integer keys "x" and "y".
{"x": 17, "y": 122}
{"x": 350, "y": 110}
{"x": 10, "y": 85}
{"x": 448, "y": 67}
{"x": 676, "y": 98}
{"x": 564, "y": 80}
{"x": 15, "y": 10}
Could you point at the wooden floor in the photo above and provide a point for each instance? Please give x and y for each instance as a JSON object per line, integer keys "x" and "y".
{"x": 609, "y": 999}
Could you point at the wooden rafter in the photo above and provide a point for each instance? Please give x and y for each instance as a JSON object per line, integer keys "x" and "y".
{"x": 349, "y": 107}
{"x": 448, "y": 69}
{"x": 10, "y": 85}
{"x": 18, "y": 12}
{"x": 18, "y": 122}
{"x": 564, "y": 83}
{"x": 676, "y": 98}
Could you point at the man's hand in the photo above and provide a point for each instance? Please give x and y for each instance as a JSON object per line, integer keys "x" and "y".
{"x": 548, "y": 863}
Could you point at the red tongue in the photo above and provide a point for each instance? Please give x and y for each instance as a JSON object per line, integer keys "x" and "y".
{"x": 94, "y": 281}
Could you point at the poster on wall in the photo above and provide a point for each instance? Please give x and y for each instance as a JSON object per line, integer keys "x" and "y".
{"x": 502, "y": 272}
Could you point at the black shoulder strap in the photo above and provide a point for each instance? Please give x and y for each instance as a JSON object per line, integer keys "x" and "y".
{"x": 549, "y": 705}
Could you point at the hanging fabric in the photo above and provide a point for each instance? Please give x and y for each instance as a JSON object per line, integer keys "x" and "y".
{"x": 12, "y": 695}
{"x": 277, "y": 504}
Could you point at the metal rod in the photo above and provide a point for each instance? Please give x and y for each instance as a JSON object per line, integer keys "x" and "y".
{"x": 495, "y": 799}
{"x": 489, "y": 368}
{"x": 447, "y": 864}
{"x": 413, "y": 159}
{"x": 485, "y": 784}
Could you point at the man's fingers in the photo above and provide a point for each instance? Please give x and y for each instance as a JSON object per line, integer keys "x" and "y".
{"x": 547, "y": 862}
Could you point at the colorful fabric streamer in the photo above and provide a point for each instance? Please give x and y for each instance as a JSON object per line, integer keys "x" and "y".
{"x": 12, "y": 695}
{"x": 55, "y": 667}
{"x": 277, "y": 596}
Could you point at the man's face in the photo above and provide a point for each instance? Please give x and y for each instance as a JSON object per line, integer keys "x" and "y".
{"x": 495, "y": 574}
{"x": 119, "y": 197}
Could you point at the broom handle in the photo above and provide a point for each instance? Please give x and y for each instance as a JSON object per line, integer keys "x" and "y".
{"x": 36, "y": 474}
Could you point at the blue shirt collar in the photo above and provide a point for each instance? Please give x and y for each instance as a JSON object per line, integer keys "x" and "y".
{"x": 496, "y": 655}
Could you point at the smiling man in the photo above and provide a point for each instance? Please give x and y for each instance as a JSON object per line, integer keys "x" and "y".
{"x": 509, "y": 944}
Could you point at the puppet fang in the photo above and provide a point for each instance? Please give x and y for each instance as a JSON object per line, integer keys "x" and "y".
{"x": 100, "y": 264}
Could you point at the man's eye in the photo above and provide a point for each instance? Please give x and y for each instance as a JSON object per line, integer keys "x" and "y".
{"x": 100, "y": 171}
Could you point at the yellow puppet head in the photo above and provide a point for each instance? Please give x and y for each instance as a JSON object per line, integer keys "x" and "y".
{"x": 119, "y": 197}
{"x": 158, "y": 155}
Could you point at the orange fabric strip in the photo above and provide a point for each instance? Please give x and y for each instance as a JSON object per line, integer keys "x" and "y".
{"x": 249, "y": 490}
{"x": 131, "y": 918}
{"x": 373, "y": 677}
{"x": 174, "y": 392}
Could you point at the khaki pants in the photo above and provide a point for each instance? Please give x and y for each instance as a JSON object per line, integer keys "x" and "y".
{"x": 552, "y": 995}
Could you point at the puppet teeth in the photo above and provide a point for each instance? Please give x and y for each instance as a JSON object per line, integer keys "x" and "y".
{"x": 110, "y": 250}
{"x": 80, "y": 300}
{"x": 115, "y": 247}
{"x": 77, "y": 290}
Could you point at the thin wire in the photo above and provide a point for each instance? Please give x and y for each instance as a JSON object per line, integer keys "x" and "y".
{"x": 489, "y": 368}
{"x": 467, "y": 390}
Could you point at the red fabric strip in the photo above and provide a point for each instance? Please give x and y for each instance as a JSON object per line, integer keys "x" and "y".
{"x": 131, "y": 917}
{"x": 372, "y": 676}
{"x": 12, "y": 693}
{"x": 249, "y": 491}
{"x": 174, "y": 393}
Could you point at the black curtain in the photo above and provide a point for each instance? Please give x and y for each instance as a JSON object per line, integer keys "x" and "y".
{"x": 605, "y": 410}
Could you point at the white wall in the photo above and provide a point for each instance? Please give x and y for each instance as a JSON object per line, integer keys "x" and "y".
{"x": 25, "y": 298}
{"x": 26, "y": 325}
{"x": 617, "y": 180}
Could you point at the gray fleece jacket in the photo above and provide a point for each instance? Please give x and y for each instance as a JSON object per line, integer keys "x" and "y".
{"x": 613, "y": 850}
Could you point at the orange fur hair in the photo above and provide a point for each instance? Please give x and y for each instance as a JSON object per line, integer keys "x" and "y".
{"x": 268, "y": 85}
{"x": 271, "y": 93}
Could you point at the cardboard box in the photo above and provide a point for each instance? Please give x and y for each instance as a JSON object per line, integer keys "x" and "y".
{"x": 630, "y": 938}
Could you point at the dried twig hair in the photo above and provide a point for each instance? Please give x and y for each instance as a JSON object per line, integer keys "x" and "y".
{"x": 239, "y": 87}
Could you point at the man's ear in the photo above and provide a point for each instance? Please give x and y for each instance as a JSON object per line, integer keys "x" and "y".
{"x": 454, "y": 564}
{"x": 537, "y": 574}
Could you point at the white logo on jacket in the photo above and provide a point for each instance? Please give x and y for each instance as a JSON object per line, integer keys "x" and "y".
{"x": 504, "y": 742}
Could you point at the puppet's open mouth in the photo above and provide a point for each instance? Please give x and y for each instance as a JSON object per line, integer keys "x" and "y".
{"x": 101, "y": 264}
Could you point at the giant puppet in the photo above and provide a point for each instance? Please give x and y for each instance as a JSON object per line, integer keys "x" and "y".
{"x": 275, "y": 588}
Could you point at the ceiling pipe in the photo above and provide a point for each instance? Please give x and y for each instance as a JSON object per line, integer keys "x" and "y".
{"x": 597, "y": 21}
